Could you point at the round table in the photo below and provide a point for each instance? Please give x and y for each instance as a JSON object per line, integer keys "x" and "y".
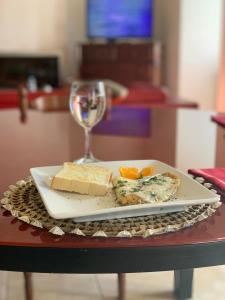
{"x": 29, "y": 249}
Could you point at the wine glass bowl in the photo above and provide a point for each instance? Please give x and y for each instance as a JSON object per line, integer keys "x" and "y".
{"x": 87, "y": 106}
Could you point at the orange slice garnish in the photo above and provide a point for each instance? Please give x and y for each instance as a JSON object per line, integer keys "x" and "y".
{"x": 130, "y": 173}
{"x": 148, "y": 171}
{"x": 133, "y": 173}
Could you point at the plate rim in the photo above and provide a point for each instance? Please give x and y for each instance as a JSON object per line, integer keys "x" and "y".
{"x": 120, "y": 209}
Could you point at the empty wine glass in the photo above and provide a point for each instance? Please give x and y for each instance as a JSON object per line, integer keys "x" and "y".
{"x": 87, "y": 106}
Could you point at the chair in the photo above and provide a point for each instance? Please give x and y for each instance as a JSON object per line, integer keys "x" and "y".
{"x": 56, "y": 103}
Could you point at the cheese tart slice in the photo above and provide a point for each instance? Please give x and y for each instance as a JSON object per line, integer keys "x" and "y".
{"x": 83, "y": 179}
{"x": 150, "y": 189}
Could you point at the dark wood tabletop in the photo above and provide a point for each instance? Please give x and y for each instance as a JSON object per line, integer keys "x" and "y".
{"x": 27, "y": 248}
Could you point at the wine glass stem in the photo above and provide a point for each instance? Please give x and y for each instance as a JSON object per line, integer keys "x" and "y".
{"x": 87, "y": 150}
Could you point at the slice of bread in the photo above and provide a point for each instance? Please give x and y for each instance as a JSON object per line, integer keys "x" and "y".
{"x": 83, "y": 179}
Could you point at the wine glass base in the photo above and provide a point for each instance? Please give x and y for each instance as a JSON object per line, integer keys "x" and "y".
{"x": 86, "y": 160}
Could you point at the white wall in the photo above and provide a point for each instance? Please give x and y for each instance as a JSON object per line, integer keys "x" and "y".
{"x": 199, "y": 59}
{"x": 30, "y": 25}
{"x": 75, "y": 33}
{"x": 40, "y": 26}
{"x": 166, "y": 30}
{"x": 221, "y": 82}
{"x": 199, "y": 50}
{"x": 196, "y": 139}
{"x": 189, "y": 31}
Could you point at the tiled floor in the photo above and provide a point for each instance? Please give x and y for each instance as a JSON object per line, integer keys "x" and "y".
{"x": 208, "y": 285}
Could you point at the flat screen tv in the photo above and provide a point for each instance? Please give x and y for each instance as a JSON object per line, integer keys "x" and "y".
{"x": 114, "y": 19}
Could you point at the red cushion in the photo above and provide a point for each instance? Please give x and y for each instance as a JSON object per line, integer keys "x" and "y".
{"x": 219, "y": 119}
{"x": 214, "y": 175}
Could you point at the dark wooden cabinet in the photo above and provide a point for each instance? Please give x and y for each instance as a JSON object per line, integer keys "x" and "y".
{"x": 122, "y": 62}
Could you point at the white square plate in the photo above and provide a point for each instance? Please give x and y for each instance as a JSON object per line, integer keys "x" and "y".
{"x": 62, "y": 205}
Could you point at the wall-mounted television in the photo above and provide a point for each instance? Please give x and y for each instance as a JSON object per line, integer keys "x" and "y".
{"x": 114, "y": 19}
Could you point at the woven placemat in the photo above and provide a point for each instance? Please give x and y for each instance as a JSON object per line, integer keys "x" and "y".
{"x": 24, "y": 202}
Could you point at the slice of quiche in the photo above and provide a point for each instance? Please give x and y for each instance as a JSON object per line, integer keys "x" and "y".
{"x": 150, "y": 189}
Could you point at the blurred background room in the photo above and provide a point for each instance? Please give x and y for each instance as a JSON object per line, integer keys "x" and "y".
{"x": 173, "y": 75}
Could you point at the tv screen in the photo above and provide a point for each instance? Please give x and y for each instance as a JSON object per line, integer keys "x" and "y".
{"x": 111, "y": 19}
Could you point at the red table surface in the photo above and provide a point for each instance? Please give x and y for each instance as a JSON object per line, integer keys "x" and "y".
{"x": 136, "y": 99}
{"x": 14, "y": 232}
{"x": 9, "y": 98}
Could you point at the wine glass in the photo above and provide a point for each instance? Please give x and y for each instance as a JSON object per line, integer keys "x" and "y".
{"x": 87, "y": 106}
